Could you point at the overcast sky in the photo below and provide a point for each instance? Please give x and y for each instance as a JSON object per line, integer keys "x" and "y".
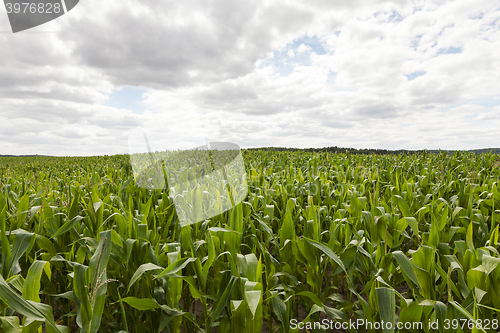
{"x": 350, "y": 73}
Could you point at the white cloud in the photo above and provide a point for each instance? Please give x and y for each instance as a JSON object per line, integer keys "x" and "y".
{"x": 380, "y": 74}
{"x": 303, "y": 48}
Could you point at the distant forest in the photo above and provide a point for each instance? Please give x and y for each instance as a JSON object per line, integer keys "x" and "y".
{"x": 374, "y": 151}
{"x": 336, "y": 149}
{"x": 19, "y": 155}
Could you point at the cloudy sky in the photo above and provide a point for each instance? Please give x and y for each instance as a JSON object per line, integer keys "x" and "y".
{"x": 401, "y": 74}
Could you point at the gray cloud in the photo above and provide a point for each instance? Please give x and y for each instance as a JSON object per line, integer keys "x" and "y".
{"x": 215, "y": 57}
{"x": 378, "y": 109}
{"x": 42, "y": 111}
{"x": 158, "y": 45}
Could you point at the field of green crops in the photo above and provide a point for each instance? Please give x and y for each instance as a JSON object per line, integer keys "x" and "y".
{"x": 342, "y": 237}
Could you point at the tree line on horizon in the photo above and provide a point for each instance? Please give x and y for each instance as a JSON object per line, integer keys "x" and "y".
{"x": 336, "y": 149}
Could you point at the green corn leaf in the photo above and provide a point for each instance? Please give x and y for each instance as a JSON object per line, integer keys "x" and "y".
{"x": 6, "y": 251}
{"x": 411, "y": 314}
{"x": 175, "y": 267}
{"x": 10, "y": 324}
{"x": 45, "y": 244}
{"x": 68, "y": 226}
{"x": 326, "y": 250}
{"x": 403, "y": 206}
{"x": 406, "y": 266}
{"x": 141, "y": 270}
{"x": 279, "y": 308}
{"x": 490, "y": 264}
{"x": 466, "y": 313}
{"x": 412, "y": 222}
{"x": 386, "y": 301}
{"x": 223, "y": 300}
{"x": 22, "y": 242}
{"x": 31, "y": 287}
{"x": 142, "y": 304}
{"x": 22, "y": 210}
{"x": 98, "y": 264}
{"x": 470, "y": 237}
{"x": 494, "y": 237}
{"x": 332, "y": 312}
{"x": 80, "y": 289}
{"x": 31, "y": 310}
{"x": 253, "y": 298}
{"x": 16, "y": 281}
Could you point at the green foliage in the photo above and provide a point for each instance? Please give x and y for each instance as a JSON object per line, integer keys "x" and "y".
{"x": 409, "y": 238}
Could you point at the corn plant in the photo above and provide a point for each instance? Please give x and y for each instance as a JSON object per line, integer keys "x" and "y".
{"x": 89, "y": 246}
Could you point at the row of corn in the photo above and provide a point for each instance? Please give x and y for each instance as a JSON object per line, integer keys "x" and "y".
{"x": 320, "y": 236}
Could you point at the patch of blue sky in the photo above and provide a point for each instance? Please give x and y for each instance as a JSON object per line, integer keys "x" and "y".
{"x": 414, "y": 75}
{"x": 313, "y": 42}
{"x": 128, "y": 97}
{"x": 416, "y": 41}
{"x": 286, "y": 59}
{"x": 332, "y": 76}
{"x": 488, "y": 102}
{"x": 395, "y": 17}
{"x": 446, "y": 27}
{"x": 494, "y": 23}
{"x": 450, "y": 50}
{"x": 477, "y": 16}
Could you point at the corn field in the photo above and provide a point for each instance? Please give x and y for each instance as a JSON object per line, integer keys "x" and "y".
{"x": 342, "y": 237}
